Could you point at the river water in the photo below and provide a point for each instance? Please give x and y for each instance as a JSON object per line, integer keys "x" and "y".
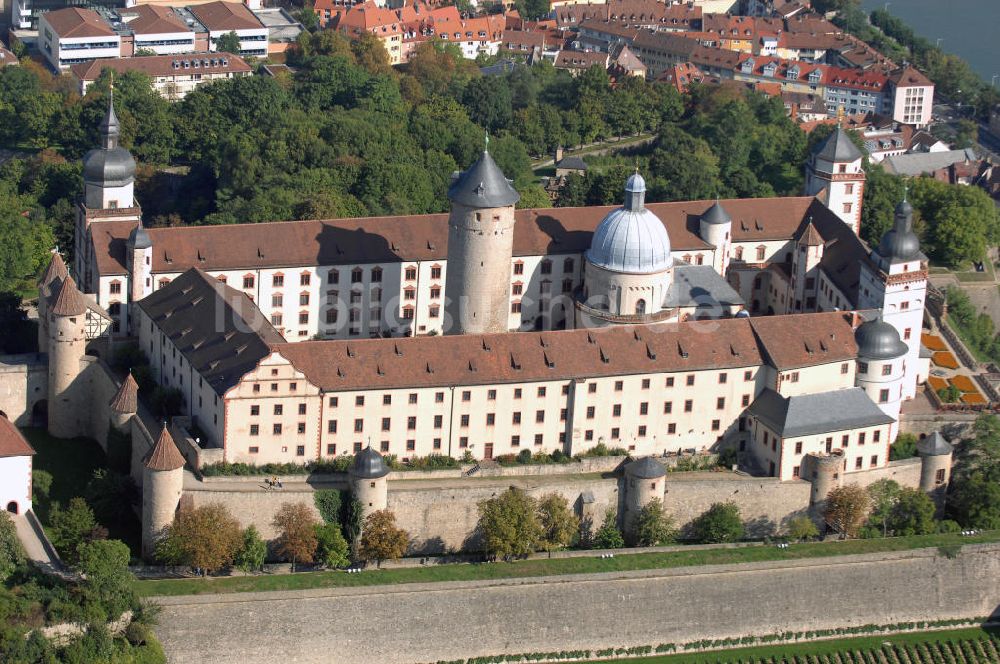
{"x": 967, "y": 28}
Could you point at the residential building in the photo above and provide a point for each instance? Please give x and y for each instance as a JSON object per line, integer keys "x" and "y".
{"x": 173, "y": 76}
{"x": 71, "y": 35}
{"x": 15, "y": 468}
{"x": 220, "y": 18}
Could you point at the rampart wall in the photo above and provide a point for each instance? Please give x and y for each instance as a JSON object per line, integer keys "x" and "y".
{"x": 431, "y": 622}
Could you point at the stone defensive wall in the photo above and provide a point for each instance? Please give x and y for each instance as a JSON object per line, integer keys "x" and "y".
{"x": 440, "y": 513}
{"x": 451, "y": 620}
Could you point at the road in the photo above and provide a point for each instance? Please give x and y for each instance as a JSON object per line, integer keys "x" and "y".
{"x": 987, "y": 145}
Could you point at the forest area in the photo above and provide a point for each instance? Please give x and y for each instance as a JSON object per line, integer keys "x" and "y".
{"x": 347, "y": 135}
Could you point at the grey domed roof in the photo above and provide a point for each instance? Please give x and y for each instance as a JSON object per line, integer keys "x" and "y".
{"x": 900, "y": 243}
{"x": 110, "y": 168}
{"x": 934, "y": 445}
{"x": 139, "y": 238}
{"x": 646, "y": 468}
{"x": 877, "y": 340}
{"x": 631, "y": 238}
{"x": 368, "y": 464}
{"x": 716, "y": 215}
{"x": 839, "y": 147}
{"x": 483, "y": 186}
{"x": 109, "y": 165}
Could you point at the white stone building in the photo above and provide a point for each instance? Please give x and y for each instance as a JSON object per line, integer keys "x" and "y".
{"x": 15, "y": 468}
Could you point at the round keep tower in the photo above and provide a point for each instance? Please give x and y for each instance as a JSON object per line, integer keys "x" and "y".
{"x": 369, "y": 483}
{"x": 480, "y": 249}
{"x": 881, "y": 355}
{"x": 644, "y": 481}
{"x": 716, "y": 228}
{"x": 124, "y": 403}
{"x": 162, "y": 485}
{"x": 935, "y": 463}
{"x": 50, "y": 281}
{"x": 67, "y": 344}
{"x": 825, "y": 477}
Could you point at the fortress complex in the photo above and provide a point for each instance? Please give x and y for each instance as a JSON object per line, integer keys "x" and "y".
{"x": 764, "y": 325}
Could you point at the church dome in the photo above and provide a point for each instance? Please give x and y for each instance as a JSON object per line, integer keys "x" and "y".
{"x": 109, "y": 168}
{"x": 631, "y": 238}
{"x": 900, "y": 243}
{"x": 877, "y": 340}
{"x": 110, "y": 165}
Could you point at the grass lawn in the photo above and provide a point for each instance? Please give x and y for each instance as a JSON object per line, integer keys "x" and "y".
{"x": 546, "y": 567}
{"x": 72, "y": 463}
{"x": 964, "y": 336}
{"x": 830, "y": 647}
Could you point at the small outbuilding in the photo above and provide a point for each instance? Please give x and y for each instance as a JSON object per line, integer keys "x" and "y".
{"x": 15, "y": 468}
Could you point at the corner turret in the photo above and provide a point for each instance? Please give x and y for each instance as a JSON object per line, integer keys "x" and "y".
{"x": 368, "y": 478}
{"x": 715, "y": 227}
{"x": 66, "y": 313}
{"x": 162, "y": 485}
{"x": 124, "y": 403}
{"x": 935, "y": 464}
{"x": 644, "y": 482}
{"x": 835, "y": 175}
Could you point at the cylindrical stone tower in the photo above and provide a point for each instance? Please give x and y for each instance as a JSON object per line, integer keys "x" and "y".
{"x": 368, "y": 481}
{"x": 644, "y": 481}
{"x": 826, "y": 473}
{"x": 67, "y": 345}
{"x": 881, "y": 362}
{"x": 162, "y": 484}
{"x": 715, "y": 227}
{"x": 139, "y": 258}
{"x": 480, "y": 249}
{"x": 50, "y": 281}
{"x": 124, "y": 403}
{"x": 935, "y": 463}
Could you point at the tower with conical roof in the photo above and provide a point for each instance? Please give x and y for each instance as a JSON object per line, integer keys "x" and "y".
{"x": 880, "y": 368}
{"x": 834, "y": 174}
{"x": 894, "y": 281}
{"x": 715, "y": 226}
{"x": 162, "y": 485}
{"x": 480, "y": 250}
{"x": 369, "y": 484}
{"x": 108, "y": 193}
{"x": 124, "y": 404}
{"x": 53, "y": 276}
{"x": 66, "y": 314}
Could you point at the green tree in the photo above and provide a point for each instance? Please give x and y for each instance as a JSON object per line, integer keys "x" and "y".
{"x": 882, "y": 194}
{"x": 913, "y": 513}
{"x": 608, "y": 536}
{"x": 904, "y": 447}
{"x": 381, "y": 539}
{"x": 332, "y": 549}
{"x": 229, "y": 43}
{"x": 802, "y": 528}
{"x": 11, "y": 553}
{"x": 655, "y": 526}
{"x": 106, "y": 578}
{"x": 509, "y": 524}
{"x": 488, "y": 101}
{"x": 719, "y": 523}
{"x": 974, "y": 501}
{"x": 329, "y": 503}
{"x": 71, "y": 527}
{"x": 884, "y": 495}
{"x": 205, "y": 538}
{"x": 559, "y": 525}
{"x": 112, "y": 496}
{"x": 252, "y": 552}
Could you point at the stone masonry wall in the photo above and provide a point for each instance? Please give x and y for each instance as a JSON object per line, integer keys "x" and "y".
{"x": 431, "y": 622}
{"x": 24, "y": 381}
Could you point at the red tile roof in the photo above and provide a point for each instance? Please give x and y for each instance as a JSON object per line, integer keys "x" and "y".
{"x": 78, "y": 22}
{"x": 524, "y": 356}
{"x": 154, "y": 19}
{"x": 803, "y": 340}
{"x": 425, "y": 237}
{"x": 165, "y": 455}
{"x": 224, "y": 16}
{"x": 12, "y": 443}
{"x": 126, "y": 399}
{"x": 163, "y": 65}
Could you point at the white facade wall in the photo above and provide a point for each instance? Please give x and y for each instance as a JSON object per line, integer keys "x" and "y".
{"x": 253, "y": 42}
{"x": 15, "y": 483}
{"x": 864, "y": 448}
{"x": 901, "y": 295}
{"x": 167, "y": 43}
{"x": 63, "y": 52}
{"x": 882, "y": 381}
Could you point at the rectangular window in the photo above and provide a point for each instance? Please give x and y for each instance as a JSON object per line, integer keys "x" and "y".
{"x": 463, "y": 441}
{"x": 331, "y": 448}
{"x": 386, "y": 424}
{"x": 688, "y": 405}
{"x": 300, "y": 450}
{"x": 515, "y": 441}
{"x": 491, "y": 419}
{"x": 592, "y": 388}
{"x": 439, "y": 397}
{"x": 887, "y": 370}
{"x": 670, "y": 381}
{"x": 331, "y": 426}
{"x": 539, "y": 416}
{"x": 668, "y": 407}
{"x": 541, "y": 391}
{"x": 877, "y": 435}
{"x": 619, "y": 385}
{"x": 359, "y": 425}
{"x": 690, "y": 380}
{"x": 844, "y": 440}
{"x": 278, "y": 409}
{"x": 300, "y": 428}
{"x": 722, "y": 378}
{"x": 745, "y": 401}
{"x": 883, "y": 396}
{"x": 438, "y": 421}
{"x": 644, "y": 408}
{"x": 254, "y": 449}
{"x": 464, "y": 420}
{"x": 616, "y": 410}
{"x": 254, "y": 429}
{"x": 359, "y": 400}
{"x": 747, "y": 376}
{"x": 255, "y": 410}
{"x": 466, "y": 395}
{"x": 539, "y": 439}
{"x": 858, "y": 463}
{"x": 276, "y": 429}
{"x": 720, "y": 403}
{"x": 798, "y": 447}
{"x": 671, "y": 428}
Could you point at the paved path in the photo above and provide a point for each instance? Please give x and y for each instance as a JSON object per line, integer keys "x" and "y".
{"x": 36, "y": 545}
